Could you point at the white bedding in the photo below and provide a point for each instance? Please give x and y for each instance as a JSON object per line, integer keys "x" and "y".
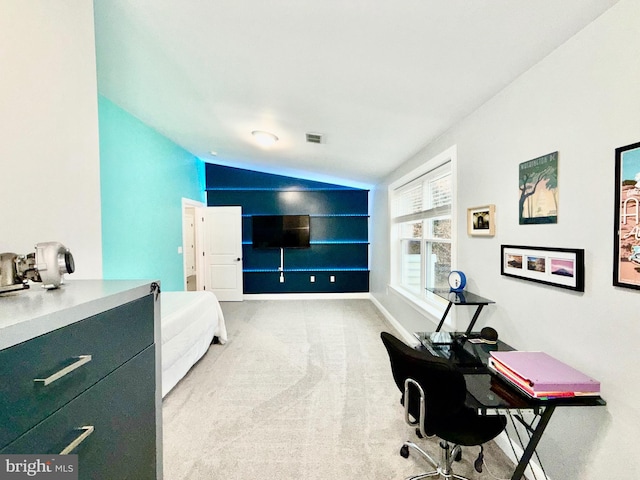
{"x": 190, "y": 320}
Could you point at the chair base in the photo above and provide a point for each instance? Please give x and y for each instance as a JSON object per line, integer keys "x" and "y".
{"x": 442, "y": 469}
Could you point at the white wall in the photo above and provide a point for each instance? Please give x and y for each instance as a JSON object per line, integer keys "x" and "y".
{"x": 583, "y": 100}
{"x": 49, "y": 155}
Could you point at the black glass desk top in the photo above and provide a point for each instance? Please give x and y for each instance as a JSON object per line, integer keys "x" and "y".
{"x": 469, "y": 355}
{"x": 484, "y": 388}
{"x": 460, "y": 298}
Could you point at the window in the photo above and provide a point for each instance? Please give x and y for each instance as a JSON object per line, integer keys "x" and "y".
{"x": 421, "y": 206}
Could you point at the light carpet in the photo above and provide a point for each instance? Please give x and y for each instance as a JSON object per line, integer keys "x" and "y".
{"x": 302, "y": 390}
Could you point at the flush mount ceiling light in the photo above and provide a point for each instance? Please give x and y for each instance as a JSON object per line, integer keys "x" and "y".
{"x": 265, "y": 139}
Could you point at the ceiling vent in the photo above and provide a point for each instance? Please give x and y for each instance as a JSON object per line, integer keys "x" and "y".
{"x": 314, "y": 138}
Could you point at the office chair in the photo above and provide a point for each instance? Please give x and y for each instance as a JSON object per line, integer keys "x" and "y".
{"x": 433, "y": 395}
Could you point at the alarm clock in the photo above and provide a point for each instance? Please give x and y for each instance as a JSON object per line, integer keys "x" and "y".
{"x": 457, "y": 281}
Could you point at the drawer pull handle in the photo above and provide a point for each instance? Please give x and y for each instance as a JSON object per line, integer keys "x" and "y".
{"x": 82, "y": 359}
{"x": 88, "y": 430}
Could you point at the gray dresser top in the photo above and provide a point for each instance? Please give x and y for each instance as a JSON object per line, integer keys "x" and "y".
{"x": 28, "y": 313}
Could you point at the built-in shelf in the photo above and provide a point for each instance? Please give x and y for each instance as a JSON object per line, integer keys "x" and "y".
{"x": 314, "y": 215}
{"x": 337, "y": 259}
{"x": 340, "y": 242}
{"x": 326, "y": 242}
{"x": 323, "y": 269}
{"x": 274, "y": 189}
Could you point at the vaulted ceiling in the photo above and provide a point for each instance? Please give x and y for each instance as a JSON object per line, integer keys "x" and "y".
{"x": 378, "y": 79}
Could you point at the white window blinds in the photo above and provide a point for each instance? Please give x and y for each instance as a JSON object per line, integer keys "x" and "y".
{"x": 427, "y": 196}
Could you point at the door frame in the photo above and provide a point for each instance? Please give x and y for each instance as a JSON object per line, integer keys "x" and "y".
{"x": 198, "y": 231}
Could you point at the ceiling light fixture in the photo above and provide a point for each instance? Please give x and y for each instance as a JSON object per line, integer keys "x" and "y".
{"x": 265, "y": 139}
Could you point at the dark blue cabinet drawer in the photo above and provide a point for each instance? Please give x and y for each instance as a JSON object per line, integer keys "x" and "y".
{"x": 41, "y": 375}
{"x": 118, "y": 416}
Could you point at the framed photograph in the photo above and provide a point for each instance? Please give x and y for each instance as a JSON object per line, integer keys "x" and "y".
{"x": 538, "y": 185}
{"x": 626, "y": 241}
{"x": 559, "y": 267}
{"x": 481, "y": 220}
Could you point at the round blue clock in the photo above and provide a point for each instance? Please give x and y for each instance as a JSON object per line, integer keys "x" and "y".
{"x": 457, "y": 281}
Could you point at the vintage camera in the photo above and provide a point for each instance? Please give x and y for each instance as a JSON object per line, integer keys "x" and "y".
{"x": 47, "y": 264}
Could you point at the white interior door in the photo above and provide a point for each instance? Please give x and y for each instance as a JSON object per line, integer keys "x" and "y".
{"x": 223, "y": 252}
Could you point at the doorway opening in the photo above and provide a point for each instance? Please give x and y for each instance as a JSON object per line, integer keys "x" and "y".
{"x": 191, "y": 245}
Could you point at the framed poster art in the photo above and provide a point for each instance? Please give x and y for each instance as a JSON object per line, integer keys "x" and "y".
{"x": 626, "y": 241}
{"x": 481, "y": 220}
{"x": 538, "y": 185}
{"x": 559, "y": 267}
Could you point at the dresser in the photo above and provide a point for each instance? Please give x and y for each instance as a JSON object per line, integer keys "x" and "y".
{"x": 79, "y": 374}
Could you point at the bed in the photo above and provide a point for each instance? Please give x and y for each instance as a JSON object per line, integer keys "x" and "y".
{"x": 190, "y": 321}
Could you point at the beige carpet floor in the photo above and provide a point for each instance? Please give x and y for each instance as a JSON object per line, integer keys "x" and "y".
{"x": 302, "y": 390}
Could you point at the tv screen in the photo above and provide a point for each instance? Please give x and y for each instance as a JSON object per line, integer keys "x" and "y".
{"x": 280, "y": 231}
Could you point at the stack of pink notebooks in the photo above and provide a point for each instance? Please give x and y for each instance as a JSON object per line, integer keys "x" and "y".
{"x": 542, "y": 376}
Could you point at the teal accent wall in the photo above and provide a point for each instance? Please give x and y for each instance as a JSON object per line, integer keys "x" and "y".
{"x": 143, "y": 178}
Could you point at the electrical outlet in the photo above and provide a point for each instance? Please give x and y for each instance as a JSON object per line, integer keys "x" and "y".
{"x": 312, "y": 279}
{"x": 281, "y": 278}
{"x": 332, "y": 279}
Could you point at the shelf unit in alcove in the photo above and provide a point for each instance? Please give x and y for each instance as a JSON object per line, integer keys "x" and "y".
{"x": 338, "y": 257}
{"x": 337, "y": 260}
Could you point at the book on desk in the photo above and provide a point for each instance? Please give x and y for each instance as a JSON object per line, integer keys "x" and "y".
{"x": 540, "y": 375}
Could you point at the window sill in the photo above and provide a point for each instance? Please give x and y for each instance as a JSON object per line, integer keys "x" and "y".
{"x": 430, "y": 310}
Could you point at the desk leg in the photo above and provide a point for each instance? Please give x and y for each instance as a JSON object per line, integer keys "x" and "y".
{"x": 533, "y": 443}
{"x": 444, "y": 316}
{"x": 473, "y": 320}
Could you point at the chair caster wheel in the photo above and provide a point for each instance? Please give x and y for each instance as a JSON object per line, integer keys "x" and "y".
{"x": 404, "y": 451}
{"x": 418, "y": 434}
{"x": 458, "y": 456}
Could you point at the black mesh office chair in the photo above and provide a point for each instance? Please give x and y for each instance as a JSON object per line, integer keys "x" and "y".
{"x": 433, "y": 395}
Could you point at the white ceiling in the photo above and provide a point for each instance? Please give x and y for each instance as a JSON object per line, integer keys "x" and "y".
{"x": 379, "y": 78}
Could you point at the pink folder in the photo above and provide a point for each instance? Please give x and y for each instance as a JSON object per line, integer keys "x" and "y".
{"x": 544, "y": 373}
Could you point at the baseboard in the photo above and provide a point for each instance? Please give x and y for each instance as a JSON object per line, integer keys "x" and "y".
{"x": 307, "y": 296}
{"x": 407, "y": 336}
{"x": 534, "y": 471}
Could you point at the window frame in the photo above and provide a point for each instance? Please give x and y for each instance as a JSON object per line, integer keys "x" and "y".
{"x": 425, "y": 304}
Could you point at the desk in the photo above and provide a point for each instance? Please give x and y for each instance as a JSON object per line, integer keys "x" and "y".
{"x": 487, "y": 392}
{"x": 460, "y": 298}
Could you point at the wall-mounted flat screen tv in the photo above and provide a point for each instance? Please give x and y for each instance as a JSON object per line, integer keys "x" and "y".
{"x": 280, "y": 231}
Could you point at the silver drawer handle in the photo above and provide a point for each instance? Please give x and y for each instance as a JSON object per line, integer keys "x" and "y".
{"x": 88, "y": 430}
{"x": 82, "y": 359}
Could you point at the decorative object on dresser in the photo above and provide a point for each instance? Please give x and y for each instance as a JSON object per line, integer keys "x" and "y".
{"x": 79, "y": 374}
{"x": 48, "y": 264}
